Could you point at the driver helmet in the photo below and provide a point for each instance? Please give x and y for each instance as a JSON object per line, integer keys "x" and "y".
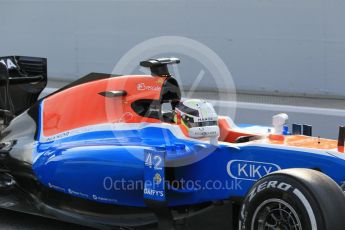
{"x": 198, "y": 117}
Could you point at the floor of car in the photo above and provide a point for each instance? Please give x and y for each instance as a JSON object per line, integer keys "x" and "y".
{"x": 10, "y": 220}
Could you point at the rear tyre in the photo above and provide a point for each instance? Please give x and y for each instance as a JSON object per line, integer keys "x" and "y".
{"x": 294, "y": 199}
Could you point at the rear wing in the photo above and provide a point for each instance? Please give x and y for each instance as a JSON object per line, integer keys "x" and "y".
{"x": 24, "y": 69}
{"x": 22, "y": 79}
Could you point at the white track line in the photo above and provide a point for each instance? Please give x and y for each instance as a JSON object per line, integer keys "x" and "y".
{"x": 285, "y": 108}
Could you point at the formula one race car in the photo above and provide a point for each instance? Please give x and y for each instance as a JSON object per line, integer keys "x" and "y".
{"x": 126, "y": 151}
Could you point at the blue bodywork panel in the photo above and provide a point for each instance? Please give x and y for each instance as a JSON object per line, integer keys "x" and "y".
{"x": 108, "y": 166}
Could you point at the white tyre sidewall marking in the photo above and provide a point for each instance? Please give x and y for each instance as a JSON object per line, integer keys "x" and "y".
{"x": 308, "y": 208}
